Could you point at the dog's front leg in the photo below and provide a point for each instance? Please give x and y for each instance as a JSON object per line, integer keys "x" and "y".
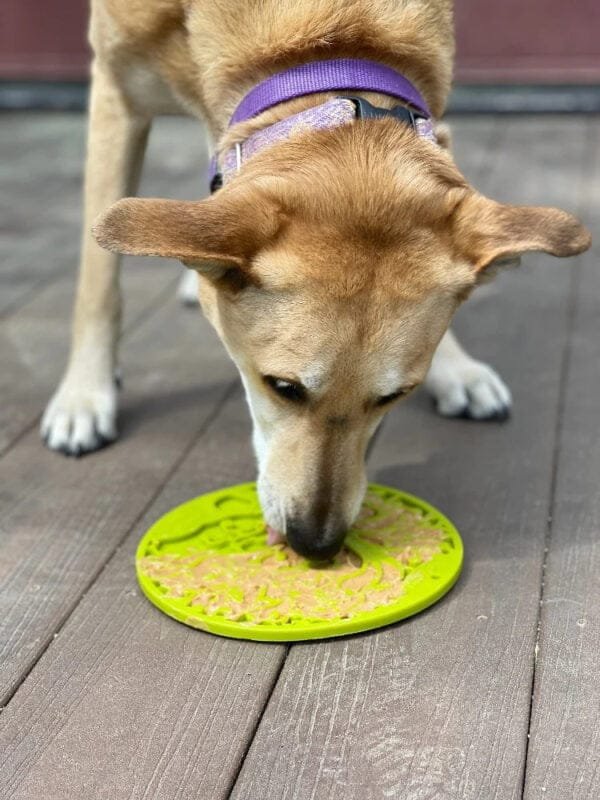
{"x": 81, "y": 416}
{"x": 464, "y": 387}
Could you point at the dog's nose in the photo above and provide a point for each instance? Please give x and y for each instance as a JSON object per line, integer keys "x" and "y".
{"x": 315, "y": 542}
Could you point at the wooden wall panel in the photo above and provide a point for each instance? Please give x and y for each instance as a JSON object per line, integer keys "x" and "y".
{"x": 507, "y": 41}
{"x": 528, "y": 41}
{"x": 44, "y": 39}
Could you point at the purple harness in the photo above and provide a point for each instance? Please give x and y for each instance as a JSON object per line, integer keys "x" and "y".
{"x": 343, "y": 74}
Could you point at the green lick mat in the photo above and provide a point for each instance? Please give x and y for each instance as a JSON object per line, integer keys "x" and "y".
{"x": 207, "y": 563}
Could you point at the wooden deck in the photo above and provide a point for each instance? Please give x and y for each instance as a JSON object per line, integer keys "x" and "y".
{"x": 490, "y": 695}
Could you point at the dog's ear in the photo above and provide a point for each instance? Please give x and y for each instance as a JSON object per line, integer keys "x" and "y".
{"x": 487, "y": 233}
{"x": 218, "y": 236}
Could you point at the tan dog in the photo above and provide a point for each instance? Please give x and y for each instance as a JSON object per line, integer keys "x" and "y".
{"x": 331, "y": 265}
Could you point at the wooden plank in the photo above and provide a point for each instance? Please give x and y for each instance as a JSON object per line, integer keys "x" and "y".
{"x": 62, "y": 518}
{"x": 565, "y": 729}
{"x": 128, "y": 703}
{"x": 438, "y": 706}
{"x": 40, "y": 204}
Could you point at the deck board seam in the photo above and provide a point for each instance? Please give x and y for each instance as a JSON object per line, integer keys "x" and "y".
{"x": 548, "y": 533}
{"x": 31, "y": 293}
{"x": 573, "y": 297}
{"x": 20, "y": 435}
{"x": 236, "y": 773}
{"x": 206, "y": 425}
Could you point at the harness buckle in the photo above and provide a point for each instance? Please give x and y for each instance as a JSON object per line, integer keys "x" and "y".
{"x": 366, "y": 110}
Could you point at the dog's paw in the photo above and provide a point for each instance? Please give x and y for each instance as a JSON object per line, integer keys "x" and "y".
{"x": 80, "y": 418}
{"x": 187, "y": 291}
{"x": 469, "y": 388}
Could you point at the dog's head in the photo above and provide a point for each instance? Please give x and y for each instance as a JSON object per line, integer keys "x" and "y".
{"x": 331, "y": 267}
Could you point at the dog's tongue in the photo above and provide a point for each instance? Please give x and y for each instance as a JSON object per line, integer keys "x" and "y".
{"x": 273, "y": 536}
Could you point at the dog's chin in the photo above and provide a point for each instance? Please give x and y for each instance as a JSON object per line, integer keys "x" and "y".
{"x": 272, "y": 512}
{"x": 274, "y": 536}
{"x": 358, "y": 500}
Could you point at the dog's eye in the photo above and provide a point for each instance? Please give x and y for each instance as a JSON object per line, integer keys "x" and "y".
{"x": 289, "y": 390}
{"x": 389, "y": 398}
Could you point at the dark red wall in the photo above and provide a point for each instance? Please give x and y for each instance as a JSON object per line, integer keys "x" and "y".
{"x": 43, "y": 39}
{"x": 536, "y": 41}
{"x": 529, "y": 41}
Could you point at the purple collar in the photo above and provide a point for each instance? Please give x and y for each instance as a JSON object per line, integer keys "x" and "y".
{"x": 344, "y": 74}
{"x": 352, "y": 74}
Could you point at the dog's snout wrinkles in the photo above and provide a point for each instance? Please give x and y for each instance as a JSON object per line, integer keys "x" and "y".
{"x": 317, "y": 542}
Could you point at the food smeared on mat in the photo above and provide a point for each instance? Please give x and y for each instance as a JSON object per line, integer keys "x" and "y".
{"x": 222, "y": 573}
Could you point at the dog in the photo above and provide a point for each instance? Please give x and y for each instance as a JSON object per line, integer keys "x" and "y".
{"x": 330, "y": 261}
